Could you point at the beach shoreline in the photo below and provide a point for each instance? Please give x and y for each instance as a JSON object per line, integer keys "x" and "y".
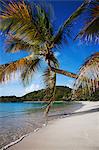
{"x": 88, "y": 107}
{"x": 17, "y": 127}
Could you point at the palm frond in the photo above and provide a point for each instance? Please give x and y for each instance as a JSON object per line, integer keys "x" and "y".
{"x": 29, "y": 70}
{"x": 7, "y": 70}
{"x": 14, "y": 44}
{"x": 67, "y": 24}
{"x": 91, "y": 30}
{"x": 88, "y": 78}
{"x": 44, "y": 23}
{"x": 17, "y": 19}
{"x": 18, "y": 10}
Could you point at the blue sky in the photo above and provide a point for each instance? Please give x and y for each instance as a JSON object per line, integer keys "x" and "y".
{"x": 70, "y": 56}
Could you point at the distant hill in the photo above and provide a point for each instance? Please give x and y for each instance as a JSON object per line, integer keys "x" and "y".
{"x": 62, "y": 92}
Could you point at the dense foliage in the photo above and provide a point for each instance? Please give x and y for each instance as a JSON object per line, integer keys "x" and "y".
{"x": 92, "y": 97}
{"x": 62, "y": 92}
{"x": 28, "y": 27}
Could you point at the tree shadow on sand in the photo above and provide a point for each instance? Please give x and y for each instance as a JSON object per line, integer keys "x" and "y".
{"x": 78, "y": 113}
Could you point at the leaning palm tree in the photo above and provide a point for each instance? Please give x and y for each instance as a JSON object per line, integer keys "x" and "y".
{"x": 29, "y": 28}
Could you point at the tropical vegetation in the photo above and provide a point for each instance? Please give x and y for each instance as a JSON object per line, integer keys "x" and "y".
{"x": 88, "y": 78}
{"x": 28, "y": 27}
{"x": 62, "y": 93}
{"x": 90, "y": 32}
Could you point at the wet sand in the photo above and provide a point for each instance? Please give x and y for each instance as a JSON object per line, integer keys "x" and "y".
{"x": 24, "y": 119}
{"x": 77, "y": 131}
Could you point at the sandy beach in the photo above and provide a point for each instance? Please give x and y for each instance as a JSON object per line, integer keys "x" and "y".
{"x": 78, "y": 131}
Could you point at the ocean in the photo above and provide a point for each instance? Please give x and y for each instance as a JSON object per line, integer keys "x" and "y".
{"x": 18, "y": 119}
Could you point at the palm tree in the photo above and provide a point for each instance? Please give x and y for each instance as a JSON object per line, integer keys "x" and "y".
{"x": 90, "y": 32}
{"x": 29, "y": 28}
{"x": 88, "y": 77}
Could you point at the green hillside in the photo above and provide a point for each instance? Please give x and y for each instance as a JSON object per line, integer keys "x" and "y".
{"x": 62, "y": 92}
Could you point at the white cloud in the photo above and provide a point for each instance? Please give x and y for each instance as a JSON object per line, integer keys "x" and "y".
{"x": 15, "y": 86}
{"x": 57, "y": 54}
{"x": 31, "y": 88}
{"x": 17, "y": 89}
{"x": 1, "y": 33}
{"x": 70, "y": 83}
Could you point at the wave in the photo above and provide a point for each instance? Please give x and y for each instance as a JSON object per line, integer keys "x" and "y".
{"x": 20, "y": 139}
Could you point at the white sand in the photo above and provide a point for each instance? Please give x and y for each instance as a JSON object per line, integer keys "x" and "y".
{"x": 78, "y": 132}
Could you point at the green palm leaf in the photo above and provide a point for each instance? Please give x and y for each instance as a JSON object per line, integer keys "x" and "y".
{"x": 7, "y": 70}
{"x": 19, "y": 19}
{"x": 44, "y": 23}
{"x": 91, "y": 30}
{"x": 29, "y": 70}
{"x": 67, "y": 24}
{"x": 88, "y": 78}
{"x": 14, "y": 44}
{"x": 20, "y": 22}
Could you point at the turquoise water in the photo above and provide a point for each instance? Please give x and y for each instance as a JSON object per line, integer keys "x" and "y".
{"x": 14, "y": 109}
{"x": 18, "y": 119}
{"x": 15, "y": 120}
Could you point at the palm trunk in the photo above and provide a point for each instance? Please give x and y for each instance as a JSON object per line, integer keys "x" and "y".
{"x": 63, "y": 72}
